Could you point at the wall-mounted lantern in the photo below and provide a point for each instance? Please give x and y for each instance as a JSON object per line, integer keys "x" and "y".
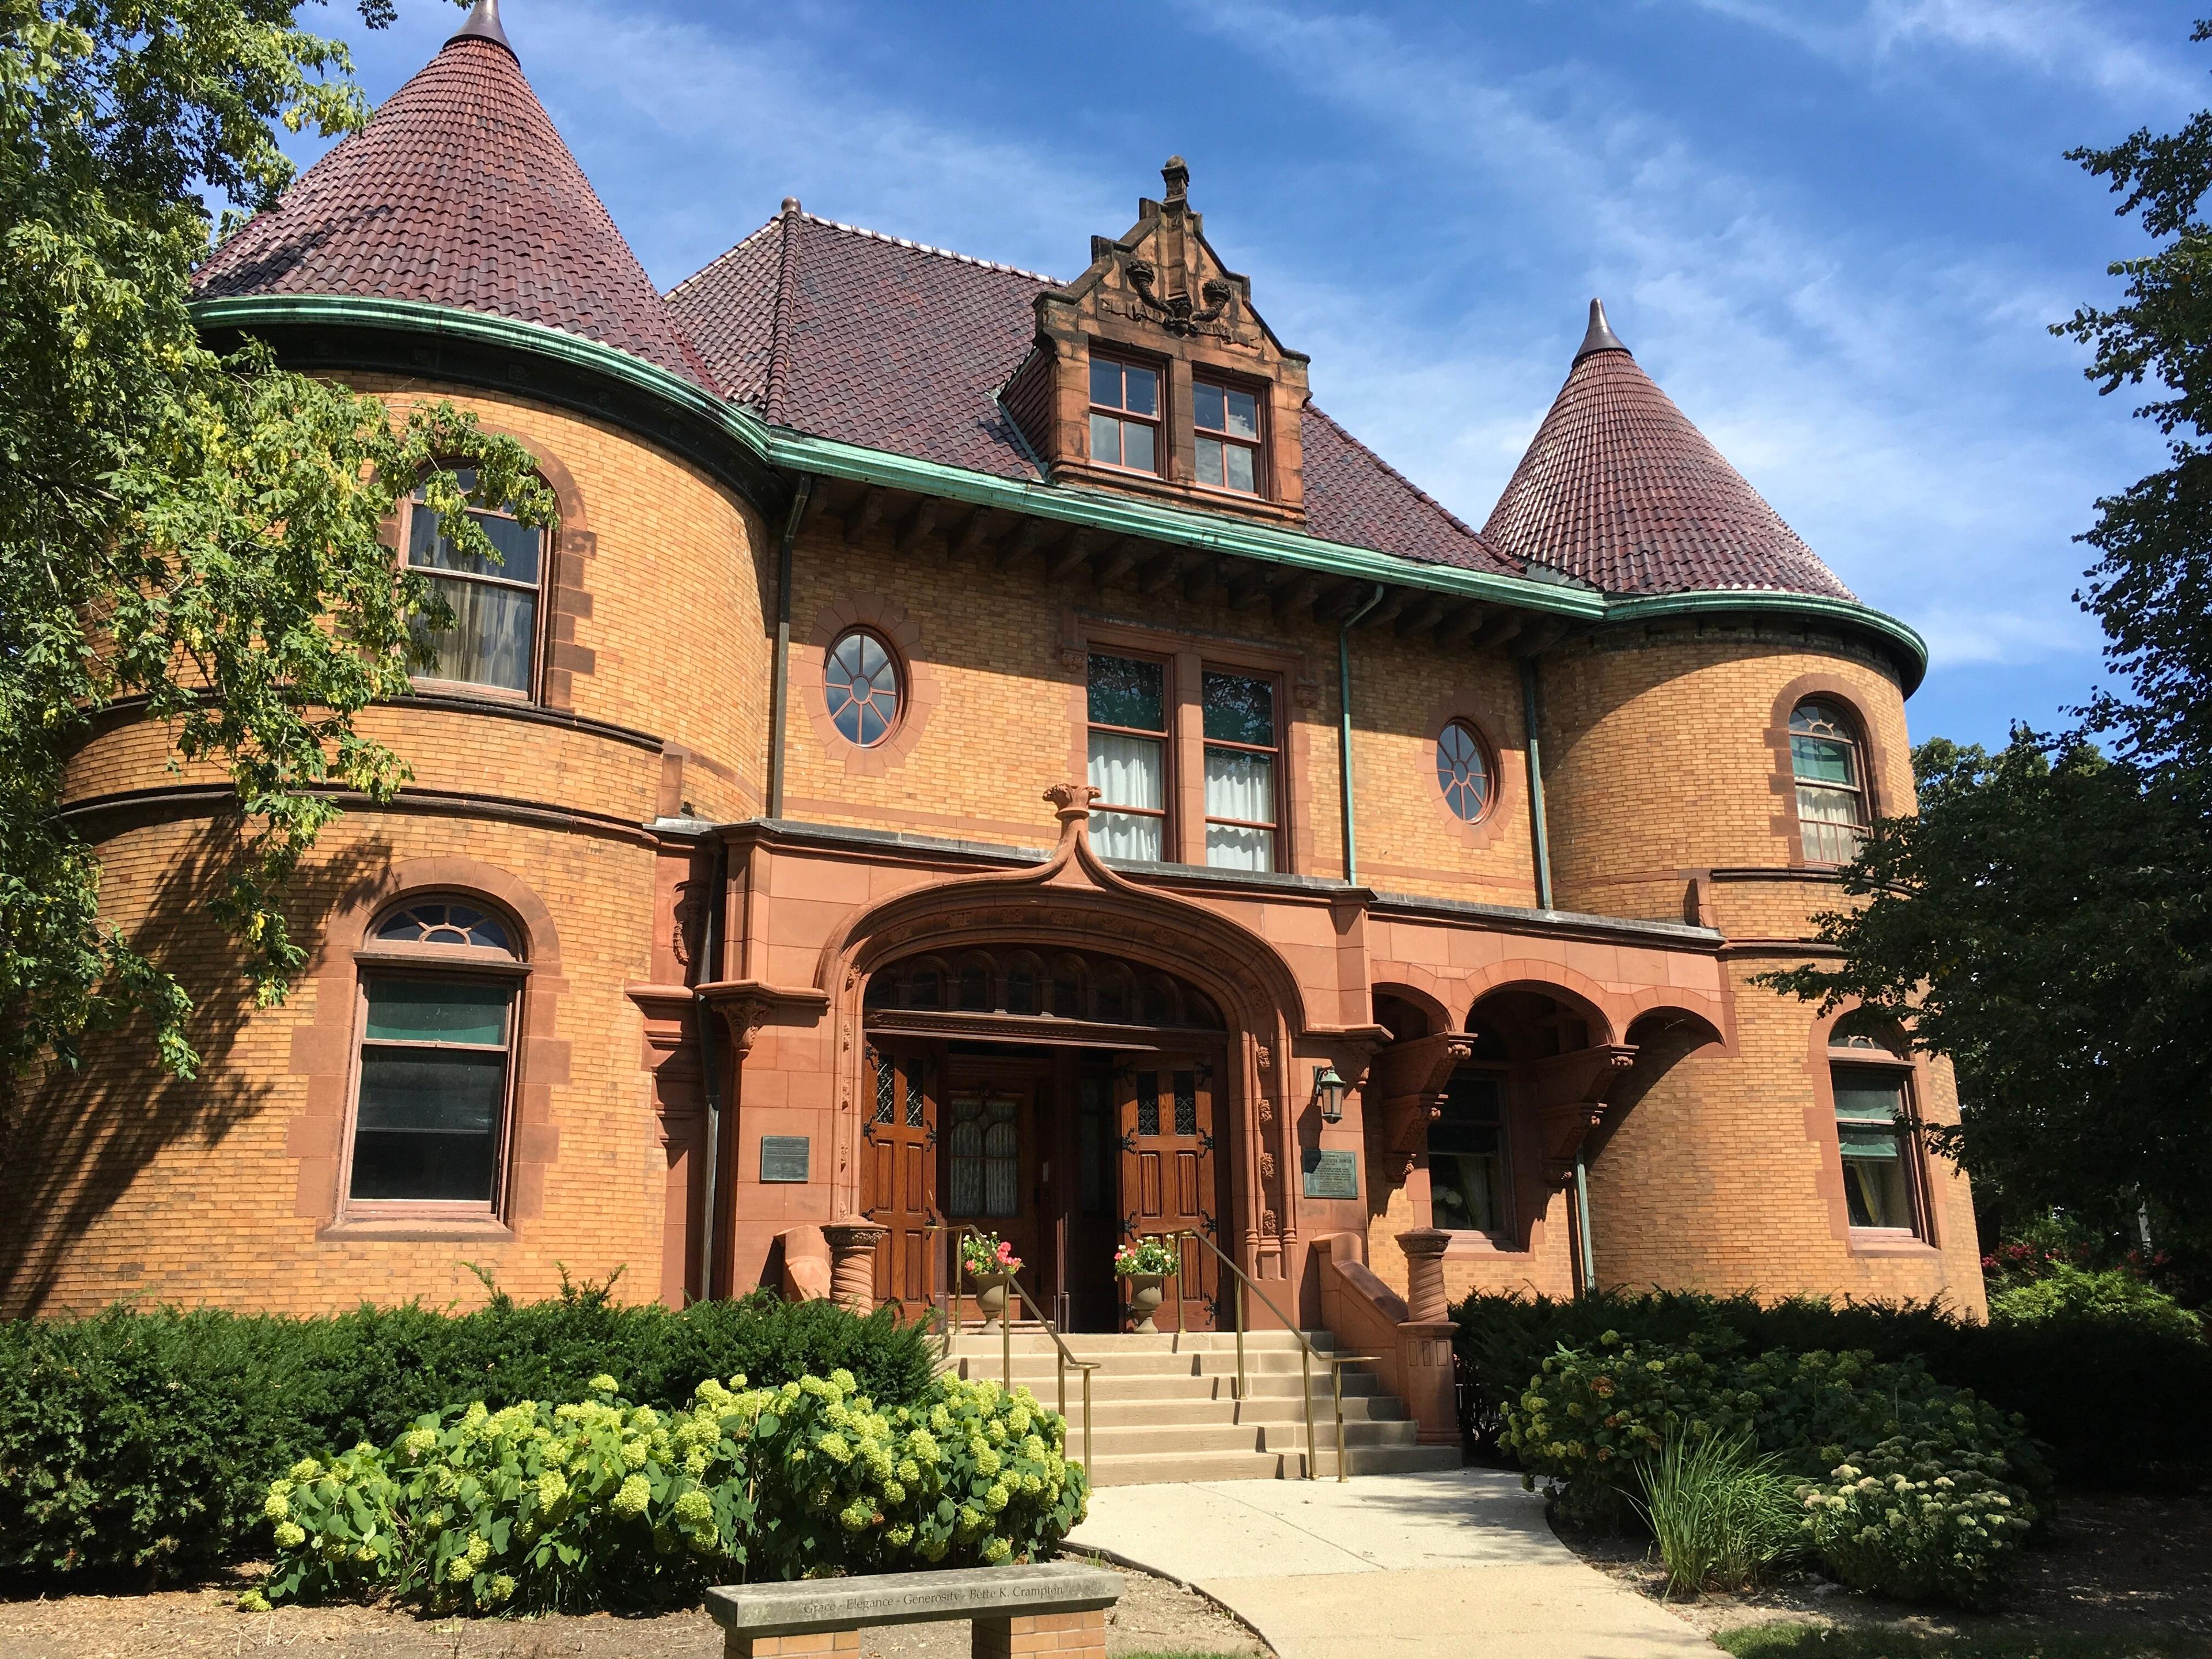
{"x": 1328, "y": 1093}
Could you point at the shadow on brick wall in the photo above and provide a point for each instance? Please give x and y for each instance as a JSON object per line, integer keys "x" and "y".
{"x": 74, "y": 1144}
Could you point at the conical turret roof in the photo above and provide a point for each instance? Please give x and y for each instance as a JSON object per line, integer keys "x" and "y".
{"x": 460, "y": 192}
{"x": 1621, "y": 490}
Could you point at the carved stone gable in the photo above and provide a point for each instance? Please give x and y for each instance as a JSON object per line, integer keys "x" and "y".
{"x": 1160, "y": 296}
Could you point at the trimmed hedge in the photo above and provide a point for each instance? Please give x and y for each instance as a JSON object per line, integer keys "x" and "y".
{"x": 2115, "y": 1403}
{"x": 144, "y": 1442}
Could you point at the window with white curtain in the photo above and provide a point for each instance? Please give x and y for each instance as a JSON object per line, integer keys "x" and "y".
{"x": 493, "y": 638}
{"x": 1129, "y": 757}
{"x": 1240, "y": 752}
{"x": 1825, "y": 757}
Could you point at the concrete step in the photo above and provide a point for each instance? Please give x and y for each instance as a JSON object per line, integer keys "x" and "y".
{"x": 1027, "y": 1367}
{"x": 1122, "y": 1412}
{"x": 1035, "y": 1339}
{"x": 1152, "y": 1468}
{"x": 1178, "y": 1439}
{"x": 1110, "y": 1385}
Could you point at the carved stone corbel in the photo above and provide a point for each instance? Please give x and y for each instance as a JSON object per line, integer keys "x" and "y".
{"x": 747, "y": 1004}
{"x": 1405, "y": 1085}
{"x": 1571, "y": 1091}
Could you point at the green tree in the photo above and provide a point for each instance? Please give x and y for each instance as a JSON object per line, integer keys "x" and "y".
{"x": 2046, "y": 919}
{"x": 194, "y": 530}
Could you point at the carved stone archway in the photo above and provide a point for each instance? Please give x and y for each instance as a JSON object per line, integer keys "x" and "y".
{"x": 1074, "y": 901}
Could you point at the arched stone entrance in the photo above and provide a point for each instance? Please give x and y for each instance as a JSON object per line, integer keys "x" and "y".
{"x": 1068, "y": 1058}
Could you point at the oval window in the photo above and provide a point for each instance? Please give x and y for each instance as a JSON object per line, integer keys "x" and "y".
{"x": 863, "y": 687}
{"x": 1463, "y": 772}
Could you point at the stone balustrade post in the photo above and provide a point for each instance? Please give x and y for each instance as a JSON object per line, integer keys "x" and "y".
{"x": 1426, "y": 1301}
{"x": 853, "y": 1262}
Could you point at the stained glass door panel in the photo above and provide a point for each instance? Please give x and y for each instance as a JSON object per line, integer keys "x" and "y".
{"x": 1170, "y": 1174}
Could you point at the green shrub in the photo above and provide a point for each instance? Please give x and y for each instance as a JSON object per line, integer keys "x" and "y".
{"x": 1720, "y": 1512}
{"x": 2114, "y": 1402}
{"x": 145, "y": 1442}
{"x": 606, "y": 1504}
{"x": 1925, "y": 1520}
{"x": 2108, "y": 1296}
{"x": 1589, "y": 1422}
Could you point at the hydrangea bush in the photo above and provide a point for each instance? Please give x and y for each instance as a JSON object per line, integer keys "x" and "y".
{"x": 1921, "y": 1519}
{"x": 607, "y": 1504}
{"x": 1592, "y": 1418}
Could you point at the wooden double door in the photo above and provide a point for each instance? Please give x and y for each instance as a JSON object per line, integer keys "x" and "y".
{"x": 1065, "y": 1153}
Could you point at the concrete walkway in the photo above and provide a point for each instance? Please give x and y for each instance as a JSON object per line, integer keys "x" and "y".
{"x": 1458, "y": 1563}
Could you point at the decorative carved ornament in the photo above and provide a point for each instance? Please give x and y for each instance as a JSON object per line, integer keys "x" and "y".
{"x": 1571, "y": 1091}
{"x": 747, "y": 1005}
{"x": 683, "y": 924}
{"x": 1406, "y": 1089}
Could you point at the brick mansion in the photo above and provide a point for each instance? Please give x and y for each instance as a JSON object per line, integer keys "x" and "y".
{"x": 983, "y": 750}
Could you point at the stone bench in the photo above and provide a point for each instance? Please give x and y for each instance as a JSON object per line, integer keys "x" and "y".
{"x": 1057, "y": 1608}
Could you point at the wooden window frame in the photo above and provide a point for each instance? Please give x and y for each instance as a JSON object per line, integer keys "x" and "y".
{"x": 1158, "y": 421}
{"x": 549, "y": 544}
{"x": 1166, "y": 736}
{"x": 1887, "y": 1061}
{"x": 1262, "y": 477}
{"x": 1275, "y": 753}
{"x": 1855, "y": 741}
{"x": 380, "y": 959}
{"x": 1506, "y": 1235}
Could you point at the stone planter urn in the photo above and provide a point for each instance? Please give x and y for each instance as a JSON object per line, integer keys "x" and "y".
{"x": 1145, "y": 1301}
{"x": 991, "y": 1293}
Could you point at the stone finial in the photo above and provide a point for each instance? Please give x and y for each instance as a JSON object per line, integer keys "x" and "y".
{"x": 853, "y": 1262}
{"x": 483, "y": 24}
{"x": 1177, "y": 176}
{"x": 1426, "y": 1301}
{"x": 1072, "y": 802}
{"x": 1600, "y": 336}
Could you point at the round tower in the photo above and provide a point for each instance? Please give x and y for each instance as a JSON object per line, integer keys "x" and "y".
{"x": 1711, "y": 754}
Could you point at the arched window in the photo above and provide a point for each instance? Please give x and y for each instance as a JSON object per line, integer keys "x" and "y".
{"x": 977, "y": 992}
{"x": 1829, "y": 764}
{"x": 1870, "y": 1075}
{"x": 1464, "y": 772}
{"x": 493, "y": 638}
{"x": 861, "y": 682}
{"x": 441, "y": 988}
{"x": 1022, "y": 978}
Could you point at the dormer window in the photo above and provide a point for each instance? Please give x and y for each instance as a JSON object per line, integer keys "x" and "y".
{"x": 1226, "y": 423}
{"x": 1125, "y": 414}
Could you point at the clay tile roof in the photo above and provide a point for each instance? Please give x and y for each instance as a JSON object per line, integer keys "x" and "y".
{"x": 870, "y": 339}
{"x": 460, "y": 192}
{"x": 1621, "y": 489}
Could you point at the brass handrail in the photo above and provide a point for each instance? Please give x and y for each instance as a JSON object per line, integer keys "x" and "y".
{"x": 949, "y": 1299}
{"x": 1307, "y": 1353}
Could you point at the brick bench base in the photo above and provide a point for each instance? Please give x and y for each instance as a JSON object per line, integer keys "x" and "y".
{"x": 1057, "y": 1609}
{"x": 1074, "y": 1635}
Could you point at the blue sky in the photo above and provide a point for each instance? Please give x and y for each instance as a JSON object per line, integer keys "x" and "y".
{"x": 1835, "y": 232}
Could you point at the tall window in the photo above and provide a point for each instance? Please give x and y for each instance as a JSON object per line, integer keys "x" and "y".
{"x": 436, "y": 1060}
{"x": 1824, "y": 755}
{"x": 1240, "y": 771}
{"x": 1466, "y": 1159}
{"x": 1227, "y": 426}
{"x": 1871, "y": 1081}
{"x": 493, "y": 638}
{"x": 1129, "y": 757}
{"x": 1125, "y": 414}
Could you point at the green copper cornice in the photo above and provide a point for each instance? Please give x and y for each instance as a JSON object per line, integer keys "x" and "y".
{"x": 409, "y": 337}
{"x": 1910, "y": 649}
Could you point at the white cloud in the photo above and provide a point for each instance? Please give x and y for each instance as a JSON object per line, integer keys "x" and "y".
{"x": 2058, "y": 39}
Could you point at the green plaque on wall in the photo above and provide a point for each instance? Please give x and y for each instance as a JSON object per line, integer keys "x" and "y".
{"x": 783, "y": 1157}
{"x": 1331, "y": 1175}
